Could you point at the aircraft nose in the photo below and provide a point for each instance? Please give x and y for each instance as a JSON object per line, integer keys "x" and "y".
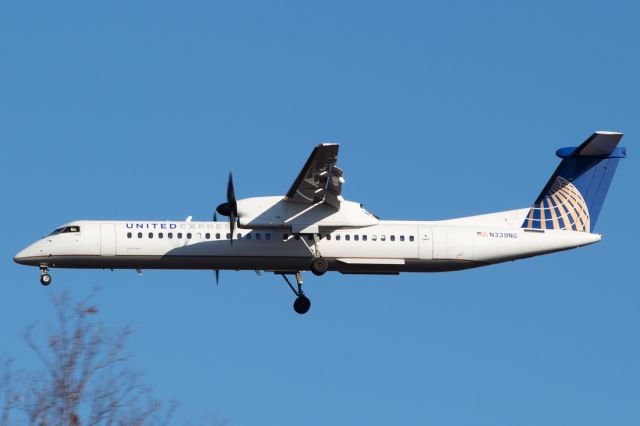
{"x": 20, "y": 257}
{"x": 27, "y": 255}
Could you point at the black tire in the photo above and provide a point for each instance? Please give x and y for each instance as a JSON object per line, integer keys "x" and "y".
{"x": 45, "y": 279}
{"x": 319, "y": 266}
{"x": 302, "y": 304}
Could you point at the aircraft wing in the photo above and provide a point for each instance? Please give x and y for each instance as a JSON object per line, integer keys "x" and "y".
{"x": 320, "y": 180}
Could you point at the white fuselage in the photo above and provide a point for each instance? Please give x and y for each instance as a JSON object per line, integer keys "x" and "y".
{"x": 387, "y": 247}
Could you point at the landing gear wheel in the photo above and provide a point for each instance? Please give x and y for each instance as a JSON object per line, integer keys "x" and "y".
{"x": 45, "y": 279}
{"x": 302, "y": 304}
{"x": 319, "y": 266}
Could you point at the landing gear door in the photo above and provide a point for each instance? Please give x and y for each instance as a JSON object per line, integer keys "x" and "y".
{"x": 425, "y": 239}
{"x": 107, "y": 239}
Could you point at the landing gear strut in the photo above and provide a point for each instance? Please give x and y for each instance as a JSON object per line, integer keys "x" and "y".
{"x": 302, "y": 303}
{"x": 319, "y": 265}
{"x": 45, "y": 278}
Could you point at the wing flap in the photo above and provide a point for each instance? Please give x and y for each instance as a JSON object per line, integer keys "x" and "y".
{"x": 370, "y": 261}
{"x": 320, "y": 180}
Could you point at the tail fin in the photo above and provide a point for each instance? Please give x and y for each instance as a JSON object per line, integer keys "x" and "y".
{"x": 574, "y": 195}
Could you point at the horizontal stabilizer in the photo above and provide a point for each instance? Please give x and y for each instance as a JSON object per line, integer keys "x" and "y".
{"x": 600, "y": 144}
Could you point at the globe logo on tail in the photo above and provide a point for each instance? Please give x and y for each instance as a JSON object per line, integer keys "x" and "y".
{"x": 563, "y": 207}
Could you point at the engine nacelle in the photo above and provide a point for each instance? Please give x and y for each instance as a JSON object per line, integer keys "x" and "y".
{"x": 276, "y": 212}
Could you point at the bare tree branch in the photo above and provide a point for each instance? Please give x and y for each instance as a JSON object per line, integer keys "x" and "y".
{"x": 86, "y": 380}
{"x": 9, "y": 397}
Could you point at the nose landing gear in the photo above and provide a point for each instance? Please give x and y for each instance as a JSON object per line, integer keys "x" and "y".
{"x": 45, "y": 278}
{"x": 302, "y": 303}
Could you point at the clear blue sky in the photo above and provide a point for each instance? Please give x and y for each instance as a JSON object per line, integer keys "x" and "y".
{"x": 114, "y": 110}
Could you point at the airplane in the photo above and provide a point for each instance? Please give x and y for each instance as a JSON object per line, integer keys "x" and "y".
{"x": 313, "y": 228}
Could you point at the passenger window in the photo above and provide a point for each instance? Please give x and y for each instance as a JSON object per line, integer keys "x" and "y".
{"x": 160, "y": 235}
{"x": 249, "y": 236}
{"x": 128, "y": 234}
{"x": 207, "y": 236}
{"x": 239, "y": 236}
{"x": 228, "y": 236}
{"x": 188, "y": 235}
{"x": 217, "y": 235}
{"x": 150, "y": 235}
{"x": 337, "y": 237}
{"x": 383, "y": 237}
{"x": 347, "y": 237}
{"x": 258, "y": 236}
{"x": 139, "y": 234}
{"x": 170, "y": 235}
{"x": 179, "y": 235}
{"x": 328, "y": 236}
{"x": 401, "y": 237}
{"x": 199, "y": 234}
{"x": 411, "y": 238}
{"x": 267, "y": 236}
{"x": 364, "y": 238}
{"x": 356, "y": 237}
{"x": 392, "y": 237}
{"x": 374, "y": 238}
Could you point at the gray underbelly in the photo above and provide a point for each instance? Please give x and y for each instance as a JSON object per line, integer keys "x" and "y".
{"x": 269, "y": 263}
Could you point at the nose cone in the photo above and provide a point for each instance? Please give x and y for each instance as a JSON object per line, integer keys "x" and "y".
{"x": 27, "y": 256}
{"x": 20, "y": 257}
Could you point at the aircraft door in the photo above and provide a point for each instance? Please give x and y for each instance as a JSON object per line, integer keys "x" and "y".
{"x": 425, "y": 239}
{"x": 107, "y": 239}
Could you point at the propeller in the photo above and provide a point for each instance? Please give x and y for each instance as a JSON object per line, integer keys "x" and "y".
{"x": 217, "y": 277}
{"x": 230, "y": 208}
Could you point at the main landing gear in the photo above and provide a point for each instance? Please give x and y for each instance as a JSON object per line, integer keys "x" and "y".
{"x": 45, "y": 278}
{"x": 302, "y": 303}
{"x": 319, "y": 266}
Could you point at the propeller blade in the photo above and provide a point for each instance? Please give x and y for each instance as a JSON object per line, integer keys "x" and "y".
{"x": 217, "y": 277}
{"x": 231, "y": 195}
{"x": 230, "y": 207}
{"x": 215, "y": 216}
{"x": 233, "y": 205}
{"x": 232, "y": 226}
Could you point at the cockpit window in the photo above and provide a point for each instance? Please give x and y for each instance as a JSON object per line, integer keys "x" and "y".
{"x": 65, "y": 229}
{"x": 56, "y": 232}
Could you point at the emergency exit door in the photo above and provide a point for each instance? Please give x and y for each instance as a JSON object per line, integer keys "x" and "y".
{"x": 425, "y": 238}
{"x": 107, "y": 239}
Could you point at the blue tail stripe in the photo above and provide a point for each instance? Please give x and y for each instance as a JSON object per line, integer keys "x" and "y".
{"x": 605, "y": 170}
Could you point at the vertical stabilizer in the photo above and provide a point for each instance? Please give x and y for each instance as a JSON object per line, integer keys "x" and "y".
{"x": 573, "y": 197}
